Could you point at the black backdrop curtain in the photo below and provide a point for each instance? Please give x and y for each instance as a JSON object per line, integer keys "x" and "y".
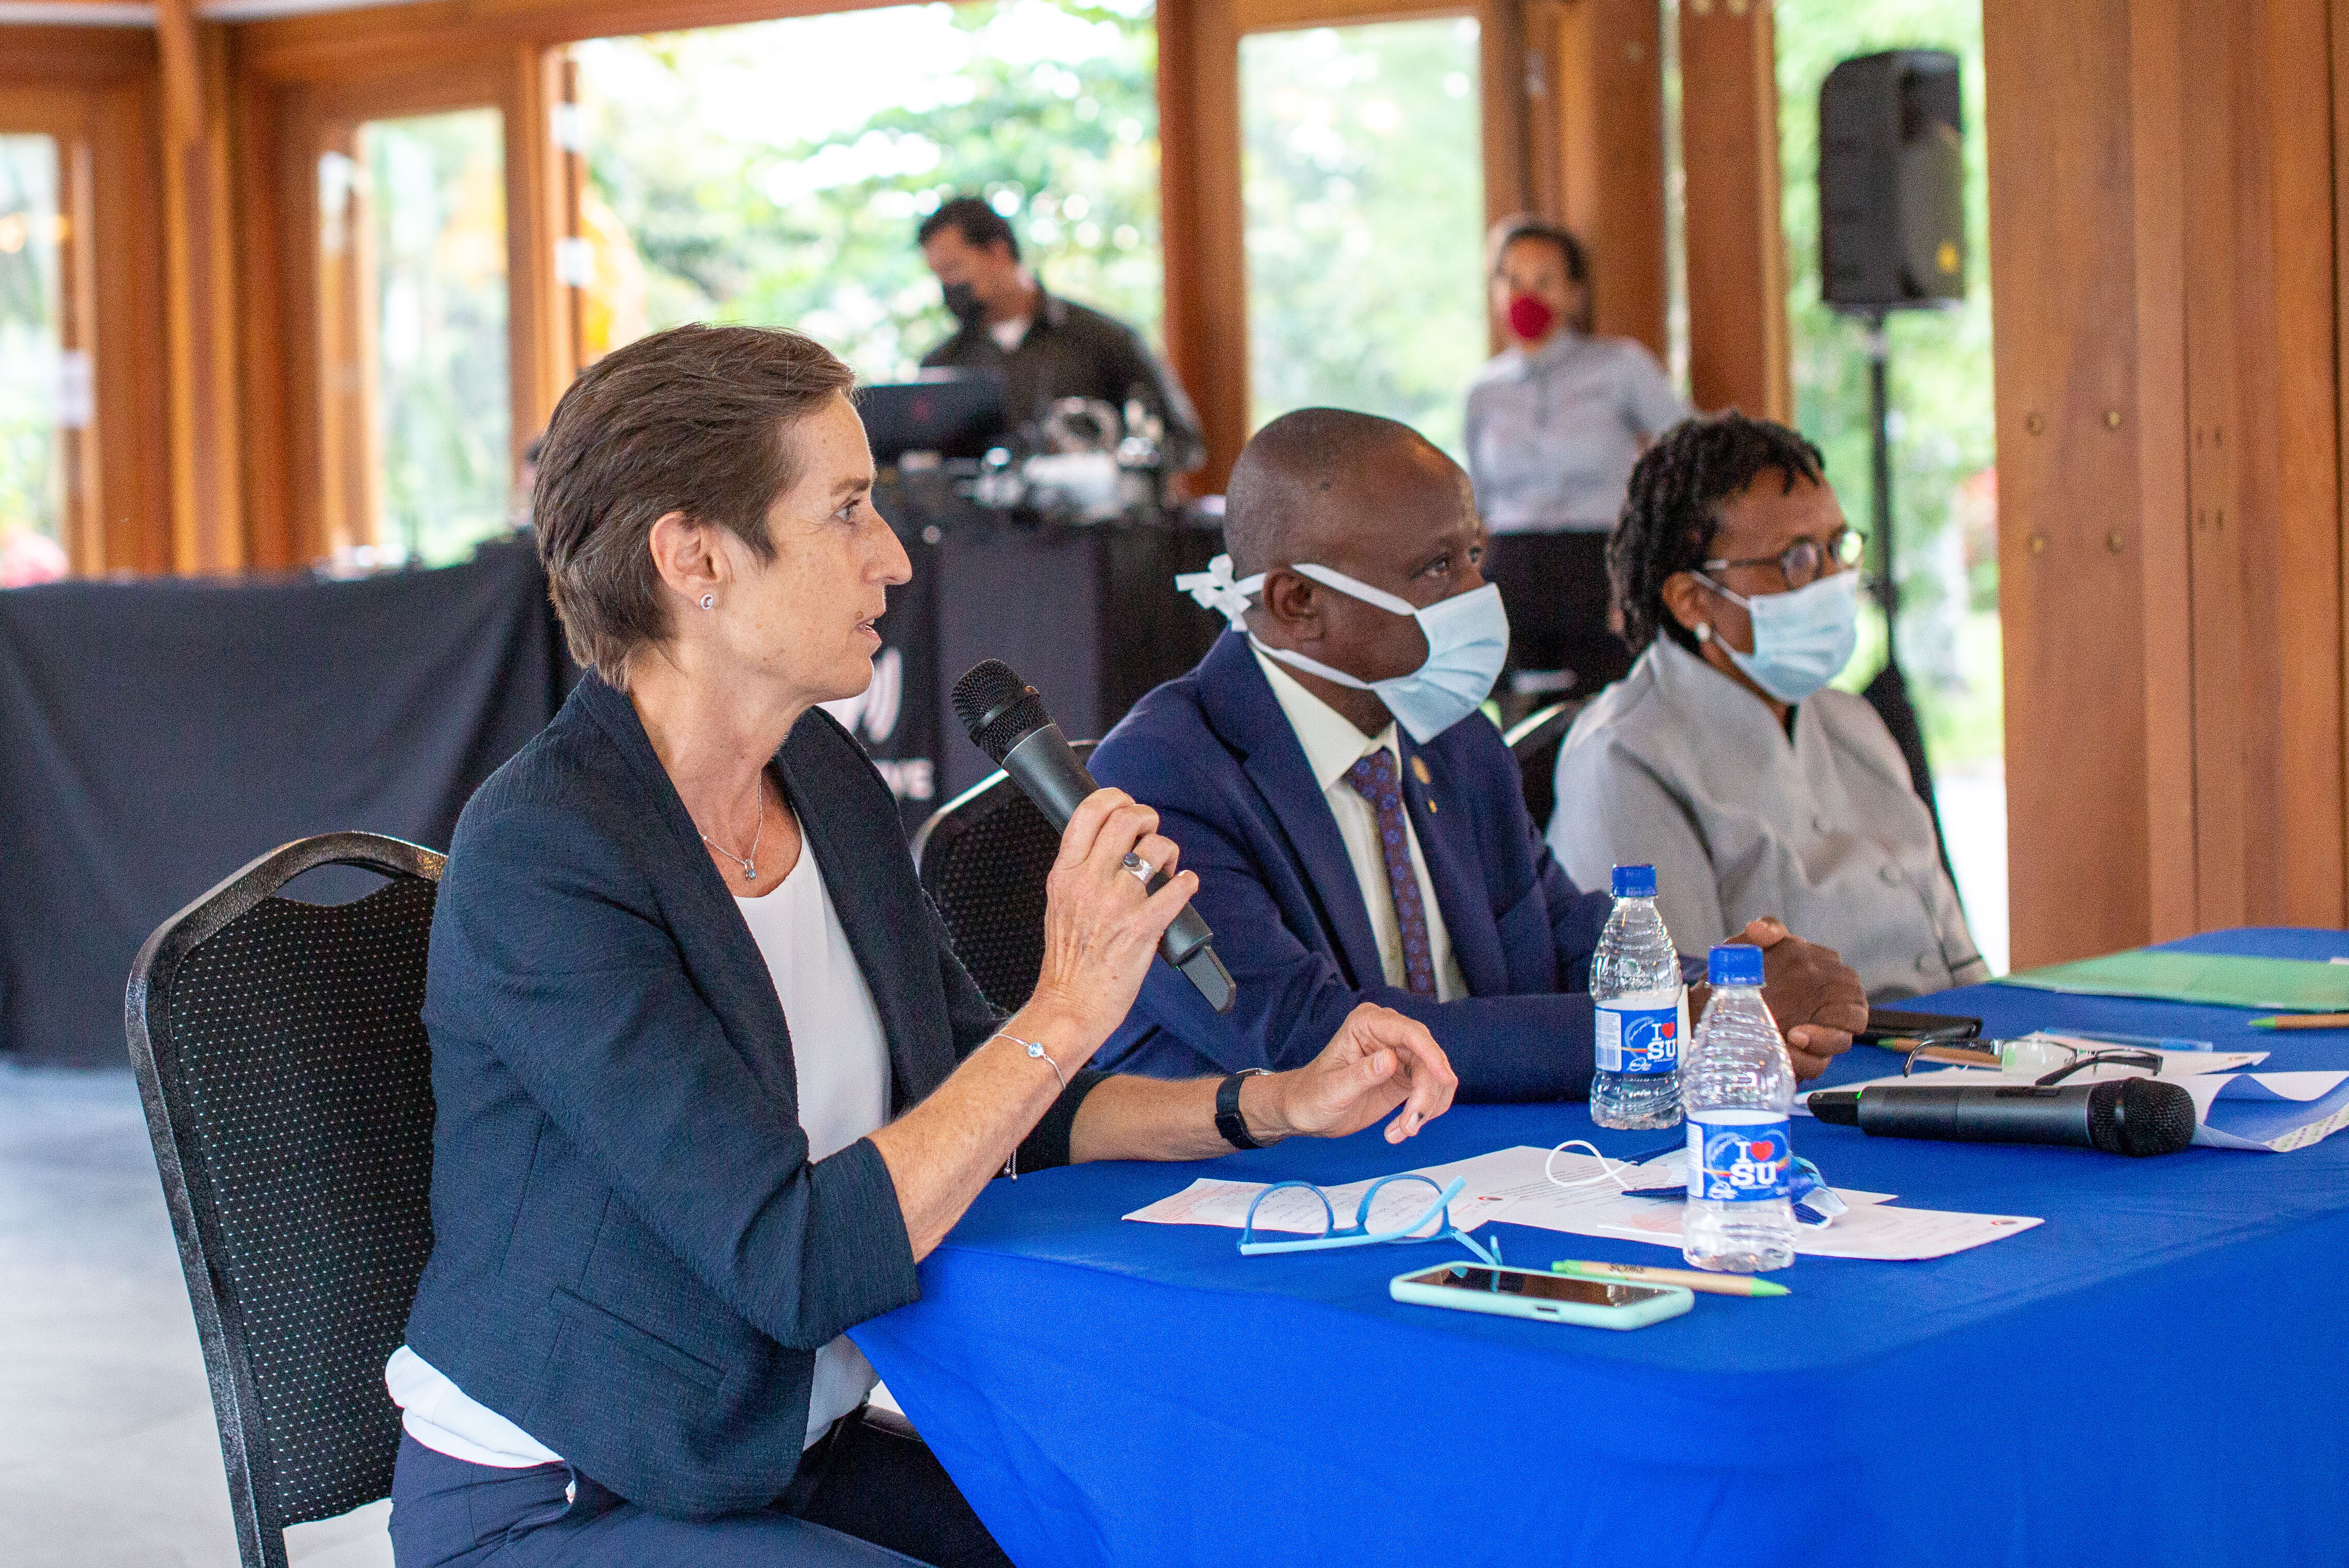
{"x": 155, "y": 736}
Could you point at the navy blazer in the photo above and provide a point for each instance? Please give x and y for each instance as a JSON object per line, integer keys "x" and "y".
{"x": 634, "y": 1258}
{"x": 1213, "y": 751}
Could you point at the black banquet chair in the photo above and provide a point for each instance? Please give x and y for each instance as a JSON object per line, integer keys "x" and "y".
{"x": 1534, "y": 741}
{"x": 982, "y": 857}
{"x": 288, "y": 1090}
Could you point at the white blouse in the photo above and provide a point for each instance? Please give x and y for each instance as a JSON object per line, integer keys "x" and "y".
{"x": 841, "y": 1059}
{"x": 1678, "y": 767}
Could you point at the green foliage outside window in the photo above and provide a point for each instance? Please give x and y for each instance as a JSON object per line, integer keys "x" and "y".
{"x": 30, "y": 483}
{"x": 438, "y": 189}
{"x": 1362, "y": 163}
{"x": 740, "y": 178}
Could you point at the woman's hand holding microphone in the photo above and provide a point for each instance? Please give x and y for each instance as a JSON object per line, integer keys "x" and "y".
{"x": 1100, "y": 931}
{"x": 1101, "y": 924}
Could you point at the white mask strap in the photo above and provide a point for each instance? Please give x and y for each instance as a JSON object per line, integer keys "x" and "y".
{"x": 1310, "y": 666}
{"x": 1609, "y": 1170}
{"x": 1393, "y": 603}
{"x": 1215, "y": 589}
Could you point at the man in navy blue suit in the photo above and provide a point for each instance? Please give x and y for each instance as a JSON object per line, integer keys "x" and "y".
{"x": 1359, "y": 829}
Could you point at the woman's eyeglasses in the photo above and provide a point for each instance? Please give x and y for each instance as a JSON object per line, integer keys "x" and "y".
{"x": 1803, "y": 562}
{"x": 1434, "y": 1225}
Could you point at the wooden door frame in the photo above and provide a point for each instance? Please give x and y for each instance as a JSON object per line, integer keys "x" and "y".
{"x": 285, "y": 129}
{"x": 92, "y": 89}
{"x": 1204, "y": 218}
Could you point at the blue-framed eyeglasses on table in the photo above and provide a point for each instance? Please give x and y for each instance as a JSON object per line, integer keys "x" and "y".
{"x": 1359, "y": 1234}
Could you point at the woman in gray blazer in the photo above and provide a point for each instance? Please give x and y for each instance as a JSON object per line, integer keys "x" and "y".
{"x": 1725, "y": 759}
{"x": 708, "y": 1081}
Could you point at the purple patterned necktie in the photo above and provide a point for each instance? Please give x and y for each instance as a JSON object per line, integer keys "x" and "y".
{"x": 1374, "y": 779}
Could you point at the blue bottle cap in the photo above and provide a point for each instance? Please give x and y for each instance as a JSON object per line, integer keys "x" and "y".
{"x": 1635, "y": 881}
{"x": 1735, "y": 963}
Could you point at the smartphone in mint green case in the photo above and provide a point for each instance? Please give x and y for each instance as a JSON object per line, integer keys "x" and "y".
{"x": 1544, "y": 1297}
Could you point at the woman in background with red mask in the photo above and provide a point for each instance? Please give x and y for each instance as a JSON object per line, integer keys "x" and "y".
{"x": 1555, "y": 422}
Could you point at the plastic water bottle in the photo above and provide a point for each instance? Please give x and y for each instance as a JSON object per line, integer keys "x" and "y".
{"x": 1642, "y": 1011}
{"x": 1738, "y": 1086}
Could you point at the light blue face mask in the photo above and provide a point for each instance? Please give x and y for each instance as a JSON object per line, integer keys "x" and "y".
{"x": 1467, "y": 643}
{"x": 1802, "y": 639}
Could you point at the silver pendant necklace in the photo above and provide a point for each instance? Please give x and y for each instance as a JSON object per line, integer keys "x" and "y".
{"x": 748, "y": 862}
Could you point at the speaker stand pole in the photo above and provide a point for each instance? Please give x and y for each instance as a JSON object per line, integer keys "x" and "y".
{"x": 1879, "y": 404}
{"x": 1888, "y": 692}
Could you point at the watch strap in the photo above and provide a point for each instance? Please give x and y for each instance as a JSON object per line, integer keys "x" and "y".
{"x": 1229, "y": 1120}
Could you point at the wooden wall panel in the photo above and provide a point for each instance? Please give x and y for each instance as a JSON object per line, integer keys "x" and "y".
{"x": 2068, "y": 480}
{"x": 2159, "y": 525}
{"x": 2163, "y": 238}
{"x": 2299, "y": 875}
{"x": 1738, "y": 346}
{"x": 1595, "y": 86}
{"x": 200, "y": 281}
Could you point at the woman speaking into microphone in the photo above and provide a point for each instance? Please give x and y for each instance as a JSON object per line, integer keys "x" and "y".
{"x": 709, "y": 1082}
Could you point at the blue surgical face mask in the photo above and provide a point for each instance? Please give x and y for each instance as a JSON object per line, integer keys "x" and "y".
{"x": 1467, "y": 643}
{"x": 1802, "y": 639}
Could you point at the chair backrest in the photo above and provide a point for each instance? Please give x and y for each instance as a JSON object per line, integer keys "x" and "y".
{"x": 1535, "y": 742}
{"x": 983, "y": 856}
{"x": 288, "y": 1089}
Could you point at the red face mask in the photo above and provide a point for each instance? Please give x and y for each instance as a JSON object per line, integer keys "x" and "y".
{"x": 1530, "y": 317}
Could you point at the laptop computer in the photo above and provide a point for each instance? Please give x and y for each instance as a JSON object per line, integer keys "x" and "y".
{"x": 954, "y": 413}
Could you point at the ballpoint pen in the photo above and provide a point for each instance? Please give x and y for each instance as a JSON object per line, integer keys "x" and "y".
{"x": 1693, "y": 1279}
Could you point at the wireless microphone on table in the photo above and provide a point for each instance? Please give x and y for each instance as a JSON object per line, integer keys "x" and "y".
{"x": 1008, "y": 722}
{"x": 2127, "y": 1116}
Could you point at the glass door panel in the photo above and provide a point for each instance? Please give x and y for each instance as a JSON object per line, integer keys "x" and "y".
{"x": 45, "y": 393}
{"x": 415, "y": 375}
{"x": 1362, "y": 181}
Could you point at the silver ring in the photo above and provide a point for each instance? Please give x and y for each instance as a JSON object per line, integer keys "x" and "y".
{"x": 1140, "y": 867}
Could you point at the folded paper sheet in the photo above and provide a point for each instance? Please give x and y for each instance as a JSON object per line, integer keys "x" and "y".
{"x": 2216, "y": 980}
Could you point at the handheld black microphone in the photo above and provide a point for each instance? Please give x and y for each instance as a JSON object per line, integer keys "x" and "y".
{"x": 1008, "y": 722}
{"x": 2126, "y": 1115}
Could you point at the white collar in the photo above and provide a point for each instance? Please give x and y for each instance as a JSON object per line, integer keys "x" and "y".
{"x": 1332, "y": 745}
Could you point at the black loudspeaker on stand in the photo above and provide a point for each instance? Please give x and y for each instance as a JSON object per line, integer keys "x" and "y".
{"x": 1892, "y": 236}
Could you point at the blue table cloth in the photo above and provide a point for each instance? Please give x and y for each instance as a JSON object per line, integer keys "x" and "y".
{"x": 2154, "y": 1375}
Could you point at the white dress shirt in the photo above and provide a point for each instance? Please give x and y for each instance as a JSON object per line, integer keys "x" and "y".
{"x": 1679, "y": 767}
{"x": 841, "y": 1059}
{"x": 1332, "y": 745}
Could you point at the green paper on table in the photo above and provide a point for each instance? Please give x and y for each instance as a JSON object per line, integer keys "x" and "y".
{"x": 2214, "y": 979}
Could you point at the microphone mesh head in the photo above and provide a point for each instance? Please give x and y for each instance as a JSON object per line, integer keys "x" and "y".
{"x": 2140, "y": 1116}
{"x": 997, "y": 707}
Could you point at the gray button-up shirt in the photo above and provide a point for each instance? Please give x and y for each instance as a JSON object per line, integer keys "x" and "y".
{"x": 1552, "y": 435}
{"x": 1678, "y": 767}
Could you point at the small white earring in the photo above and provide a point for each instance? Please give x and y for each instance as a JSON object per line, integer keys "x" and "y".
{"x": 1704, "y": 627}
{"x": 708, "y": 600}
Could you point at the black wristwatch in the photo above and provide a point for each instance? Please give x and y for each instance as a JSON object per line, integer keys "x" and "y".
{"x": 1229, "y": 1120}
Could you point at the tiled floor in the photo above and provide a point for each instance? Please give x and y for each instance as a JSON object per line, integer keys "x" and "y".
{"x": 108, "y": 1457}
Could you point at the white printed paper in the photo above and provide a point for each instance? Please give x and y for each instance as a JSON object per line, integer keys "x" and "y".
{"x": 1881, "y": 1232}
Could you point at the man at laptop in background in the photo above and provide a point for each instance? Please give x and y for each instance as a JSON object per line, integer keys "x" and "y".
{"x": 1045, "y": 348}
{"x": 1358, "y": 828}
